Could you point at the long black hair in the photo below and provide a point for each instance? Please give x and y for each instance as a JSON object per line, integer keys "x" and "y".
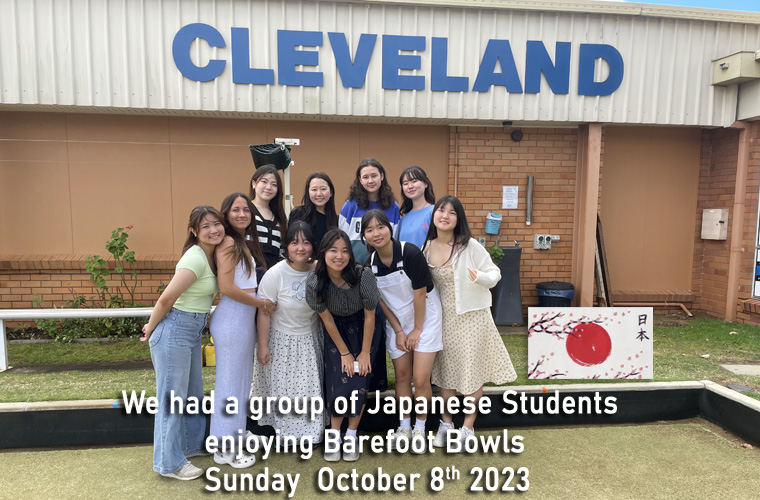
{"x": 276, "y": 204}
{"x": 415, "y": 173}
{"x": 462, "y": 233}
{"x": 243, "y": 248}
{"x": 351, "y": 274}
{"x": 295, "y": 229}
{"x": 308, "y": 211}
{"x": 357, "y": 192}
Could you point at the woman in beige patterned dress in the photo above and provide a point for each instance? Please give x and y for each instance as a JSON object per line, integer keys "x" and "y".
{"x": 473, "y": 352}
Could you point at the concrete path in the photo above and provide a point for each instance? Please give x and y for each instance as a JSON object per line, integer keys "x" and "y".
{"x": 742, "y": 369}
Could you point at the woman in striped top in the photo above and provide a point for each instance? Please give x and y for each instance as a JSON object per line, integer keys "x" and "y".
{"x": 271, "y": 222}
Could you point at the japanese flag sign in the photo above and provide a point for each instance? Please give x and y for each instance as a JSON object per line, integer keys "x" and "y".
{"x": 590, "y": 343}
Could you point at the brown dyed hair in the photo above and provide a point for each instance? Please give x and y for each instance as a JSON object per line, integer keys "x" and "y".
{"x": 194, "y": 223}
{"x": 242, "y": 249}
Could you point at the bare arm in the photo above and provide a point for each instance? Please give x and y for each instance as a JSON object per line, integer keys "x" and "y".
{"x": 180, "y": 282}
{"x": 346, "y": 357}
{"x": 419, "y": 318}
{"x": 263, "y": 322}
{"x": 396, "y": 325}
{"x": 369, "y": 330}
{"x": 225, "y": 266}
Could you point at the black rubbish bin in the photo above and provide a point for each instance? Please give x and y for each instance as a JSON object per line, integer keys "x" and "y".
{"x": 555, "y": 294}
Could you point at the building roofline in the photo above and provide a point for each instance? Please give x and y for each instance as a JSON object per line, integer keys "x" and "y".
{"x": 586, "y": 6}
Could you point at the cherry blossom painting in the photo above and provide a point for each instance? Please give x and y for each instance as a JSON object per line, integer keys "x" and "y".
{"x": 590, "y": 343}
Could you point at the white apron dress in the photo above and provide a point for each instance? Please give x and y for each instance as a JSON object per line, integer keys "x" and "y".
{"x": 398, "y": 294}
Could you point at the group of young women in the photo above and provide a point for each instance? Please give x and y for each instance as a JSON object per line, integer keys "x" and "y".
{"x": 321, "y": 291}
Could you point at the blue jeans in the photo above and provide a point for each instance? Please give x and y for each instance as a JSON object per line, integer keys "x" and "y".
{"x": 175, "y": 348}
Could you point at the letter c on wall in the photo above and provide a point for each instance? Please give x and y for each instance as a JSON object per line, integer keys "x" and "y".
{"x": 181, "y": 52}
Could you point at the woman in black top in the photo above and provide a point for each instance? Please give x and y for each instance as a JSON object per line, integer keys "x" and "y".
{"x": 317, "y": 206}
{"x": 271, "y": 222}
{"x": 345, "y": 297}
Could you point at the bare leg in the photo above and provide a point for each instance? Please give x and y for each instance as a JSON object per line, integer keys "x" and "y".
{"x": 423, "y": 366}
{"x": 335, "y": 423}
{"x": 403, "y": 369}
{"x": 469, "y": 419}
{"x": 353, "y": 422}
{"x": 447, "y": 394}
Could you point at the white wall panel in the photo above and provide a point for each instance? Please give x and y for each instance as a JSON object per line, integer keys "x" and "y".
{"x": 118, "y": 54}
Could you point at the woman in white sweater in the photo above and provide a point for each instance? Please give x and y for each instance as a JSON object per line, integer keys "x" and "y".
{"x": 473, "y": 352}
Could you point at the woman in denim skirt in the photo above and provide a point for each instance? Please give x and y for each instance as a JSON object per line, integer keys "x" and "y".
{"x": 174, "y": 334}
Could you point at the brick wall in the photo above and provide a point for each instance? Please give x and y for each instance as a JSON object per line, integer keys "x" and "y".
{"x": 55, "y": 279}
{"x": 483, "y": 159}
{"x": 717, "y": 178}
{"x": 748, "y": 310}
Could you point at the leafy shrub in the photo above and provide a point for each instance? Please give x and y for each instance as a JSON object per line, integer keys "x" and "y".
{"x": 116, "y": 296}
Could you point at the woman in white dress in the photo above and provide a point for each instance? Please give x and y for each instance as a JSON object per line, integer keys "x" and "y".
{"x": 289, "y": 352}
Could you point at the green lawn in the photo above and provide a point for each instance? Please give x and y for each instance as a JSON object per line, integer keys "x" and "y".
{"x": 677, "y": 356}
{"x": 688, "y": 459}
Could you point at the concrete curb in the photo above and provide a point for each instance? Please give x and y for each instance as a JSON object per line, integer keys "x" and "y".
{"x": 91, "y": 404}
{"x": 104, "y": 421}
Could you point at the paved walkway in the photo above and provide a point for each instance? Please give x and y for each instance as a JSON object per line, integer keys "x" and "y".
{"x": 743, "y": 369}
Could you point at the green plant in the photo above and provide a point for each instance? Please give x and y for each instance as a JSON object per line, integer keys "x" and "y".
{"x": 120, "y": 294}
{"x": 123, "y": 258}
{"x": 48, "y": 327}
{"x": 496, "y": 253}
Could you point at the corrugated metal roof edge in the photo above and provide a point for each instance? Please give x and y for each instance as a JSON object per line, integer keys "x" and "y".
{"x": 585, "y": 6}
{"x": 395, "y": 120}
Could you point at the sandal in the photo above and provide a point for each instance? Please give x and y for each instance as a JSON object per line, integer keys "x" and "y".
{"x": 236, "y": 462}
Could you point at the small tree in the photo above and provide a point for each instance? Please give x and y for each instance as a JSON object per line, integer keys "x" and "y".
{"x": 123, "y": 257}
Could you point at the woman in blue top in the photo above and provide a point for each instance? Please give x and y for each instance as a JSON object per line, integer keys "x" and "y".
{"x": 416, "y": 206}
{"x": 174, "y": 334}
{"x": 369, "y": 190}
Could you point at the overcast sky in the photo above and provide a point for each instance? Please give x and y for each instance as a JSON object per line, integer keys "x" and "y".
{"x": 747, "y": 5}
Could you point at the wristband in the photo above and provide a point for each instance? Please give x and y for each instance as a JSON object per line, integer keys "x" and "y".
{"x": 347, "y": 354}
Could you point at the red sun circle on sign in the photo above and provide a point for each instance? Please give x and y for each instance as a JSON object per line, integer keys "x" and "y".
{"x": 589, "y": 344}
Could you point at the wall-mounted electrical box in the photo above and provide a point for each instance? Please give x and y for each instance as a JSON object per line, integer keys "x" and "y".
{"x": 544, "y": 241}
{"x": 714, "y": 224}
{"x": 736, "y": 68}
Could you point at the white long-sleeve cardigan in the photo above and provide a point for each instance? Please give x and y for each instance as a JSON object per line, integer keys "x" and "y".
{"x": 471, "y": 296}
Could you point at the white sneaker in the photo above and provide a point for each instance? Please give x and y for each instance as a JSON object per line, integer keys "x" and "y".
{"x": 230, "y": 458}
{"x": 353, "y": 455}
{"x": 440, "y": 436}
{"x": 333, "y": 456}
{"x": 464, "y": 433}
{"x": 186, "y": 473}
{"x": 418, "y": 435}
{"x": 401, "y": 434}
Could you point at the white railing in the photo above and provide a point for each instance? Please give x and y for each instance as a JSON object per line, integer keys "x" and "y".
{"x": 23, "y": 314}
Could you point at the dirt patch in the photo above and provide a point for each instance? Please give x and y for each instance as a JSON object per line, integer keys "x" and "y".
{"x": 84, "y": 367}
{"x": 671, "y": 320}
